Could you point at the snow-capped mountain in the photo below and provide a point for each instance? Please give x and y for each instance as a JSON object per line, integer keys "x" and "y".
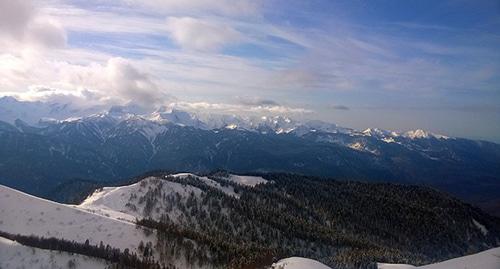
{"x": 43, "y": 114}
{"x": 12, "y": 109}
{"x": 126, "y": 140}
{"x": 175, "y": 116}
{"x": 421, "y": 134}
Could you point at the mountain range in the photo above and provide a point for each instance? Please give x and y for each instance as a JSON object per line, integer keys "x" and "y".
{"x": 48, "y": 146}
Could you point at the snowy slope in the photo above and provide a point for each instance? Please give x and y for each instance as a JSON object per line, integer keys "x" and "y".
{"x": 298, "y": 263}
{"x": 489, "y": 259}
{"x": 125, "y": 202}
{"x": 210, "y": 182}
{"x": 129, "y": 202}
{"x": 24, "y": 214}
{"x": 250, "y": 181}
{"x": 14, "y": 255}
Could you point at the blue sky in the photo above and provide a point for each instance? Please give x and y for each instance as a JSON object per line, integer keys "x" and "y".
{"x": 396, "y": 65}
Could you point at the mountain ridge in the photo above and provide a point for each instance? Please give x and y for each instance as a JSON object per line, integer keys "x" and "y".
{"x": 120, "y": 144}
{"x": 317, "y": 218}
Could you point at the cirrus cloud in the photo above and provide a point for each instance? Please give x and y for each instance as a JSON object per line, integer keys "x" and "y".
{"x": 223, "y": 7}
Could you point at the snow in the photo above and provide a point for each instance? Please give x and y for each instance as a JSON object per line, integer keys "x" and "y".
{"x": 250, "y": 181}
{"x": 151, "y": 124}
{"x": 149, "y": 129}
{"x": 210, "y": 182}
{"x": 421, "y": 134}
{"x": 14, "y": 255}
{"x": 388, "y": 140}
{"x": 28, "y": 215}
{"x": 175, "y": 116}
{"x": 232, "y": 126}
{"x": 360, "y": 147}
{"x": 298, "y": 263}
{"x": 112, "y": 201}
{"x": 357, "y": 146}
{"x": 489, "y": 259}
{"x": 481, "y": 227}
{"x": 119, "y": 203}
{"x": 379, "y": 133}
{"x": 31, "y": 112}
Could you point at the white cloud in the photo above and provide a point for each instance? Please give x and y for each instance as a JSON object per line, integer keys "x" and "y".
{"x": 15, "y": 17}
{"x": 256, "y": 101}
{"x": 305, "y": 65}
{"x": 197, "y": 34}
{"x": 223, "y": 7}
{"x": 22, "y": 26}
{"x": 133, "y": 85}
{"x": 239, "y": 109}
{"x": 113, "y": 81}
{"x": 47, "y": 33}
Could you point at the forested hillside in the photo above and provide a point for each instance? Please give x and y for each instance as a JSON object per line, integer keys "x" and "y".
{"x": 216, "y": 220}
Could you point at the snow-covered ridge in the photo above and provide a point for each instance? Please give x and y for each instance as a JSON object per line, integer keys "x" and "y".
{"x": 375, "y": 132}
{"x": 298, "y": 263}
{"x": 421, "y": 134}
{"x": 96, "y": 220}
{"x": 108, "y": 215}
{"x": 388, "y": 136}
{"x": 124, "y": 202}
{"x": 250, "y": 181}
{"x": 29, "y": 215}
{"x": 489, "y": 259}
{"x": 127, "y": 202}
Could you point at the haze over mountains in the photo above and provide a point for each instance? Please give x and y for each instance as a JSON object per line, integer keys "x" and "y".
{"x": 122, "y": 142}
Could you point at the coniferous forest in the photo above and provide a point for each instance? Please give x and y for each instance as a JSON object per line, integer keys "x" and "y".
{"x": 342, "y": 224}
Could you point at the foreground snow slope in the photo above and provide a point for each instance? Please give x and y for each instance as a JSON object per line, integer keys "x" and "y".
{"x": 298, "y": 263}
{"x": 489, "y": 259}
{"x": 14, "y": 255}
{"x": 24, "y": 214}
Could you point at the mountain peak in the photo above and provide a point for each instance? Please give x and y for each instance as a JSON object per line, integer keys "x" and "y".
{"x": 379, "y": 133}
{"x": 176, "y": 116}
{"x": 8, "y": 99}
{"x": 422, "y": 134}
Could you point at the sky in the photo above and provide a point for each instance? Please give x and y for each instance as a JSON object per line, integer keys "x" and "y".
{"x": 389, "y": 64}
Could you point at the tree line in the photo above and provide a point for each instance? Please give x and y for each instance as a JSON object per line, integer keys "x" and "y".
{"x": 118, "y": 259}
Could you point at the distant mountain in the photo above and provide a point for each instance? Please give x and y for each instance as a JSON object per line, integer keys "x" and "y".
{"x": 33, "y": 113}
{"x": 124, "y": 142}
{"x": 223, "y": 220}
